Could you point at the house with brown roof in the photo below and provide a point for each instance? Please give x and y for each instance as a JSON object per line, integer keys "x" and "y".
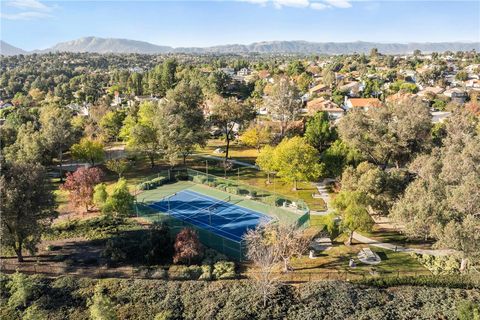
{"x": 322, "y": 104}
{"x": 318, "y": 89}
{"x": 361, "y": 103}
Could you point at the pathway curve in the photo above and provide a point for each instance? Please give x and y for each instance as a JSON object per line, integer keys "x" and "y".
{"x": 240, "y": 163}
{"x": 397, "y": 248}
{"x": 323, "y": 194}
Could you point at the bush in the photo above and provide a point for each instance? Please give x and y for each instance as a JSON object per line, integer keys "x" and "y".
{"x": 199, "y": 179}
{"x": 181, "y": 272}
{"x": 224, "y": 270}
{"x": 450, "y": 281}
{"x": 181, "y": 176}
{"x": 232, "y": 190}
{"x": 157, "y": 182}
{"x": 276, "y": 200}
{"x": 206, "y": 272}
{"x": 439, "y": 265}
{"x": 212, "y": 256}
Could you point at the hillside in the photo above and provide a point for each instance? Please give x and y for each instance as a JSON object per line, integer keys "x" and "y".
{"x": 111, "y": 45}
{"x": 9, "y": 50}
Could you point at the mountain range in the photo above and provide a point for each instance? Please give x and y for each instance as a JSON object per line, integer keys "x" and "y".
{"x": 112, "y": 45}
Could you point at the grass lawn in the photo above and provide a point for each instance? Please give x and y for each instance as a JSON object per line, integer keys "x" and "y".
{"x": 236, "y": 151}
{"x": 337, "y": 258}
{"x": 392, "y": 236}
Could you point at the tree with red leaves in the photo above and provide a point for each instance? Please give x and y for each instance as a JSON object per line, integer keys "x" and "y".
{"x": 187, "y": 246}
{"x": 80, "y": 185}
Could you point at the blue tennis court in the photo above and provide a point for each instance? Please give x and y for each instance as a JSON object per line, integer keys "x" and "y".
{"x": 221, "y": 217}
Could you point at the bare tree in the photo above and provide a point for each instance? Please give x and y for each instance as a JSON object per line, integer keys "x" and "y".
{"x": 289, "y": 242}
{"x": 268, "y": 245}
{"x": 284, "y": 103}
{"x": 265, "y": 257}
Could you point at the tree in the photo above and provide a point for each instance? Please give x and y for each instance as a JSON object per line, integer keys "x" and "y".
{"x": 120, "y": 203}
{"x": 256, "y": 136}
{"x": 442, "y": 202}
{"x": 57, "y": 130}
{"x": 283, "y": 103}
{"x": 319, "y": 133}
{"x": 29, "y": 146}
{"x": 187, "y": 246}
{"x": 119, "y": 166}
{"x": 142, "y": 135}
{"x": 181, "y": 121}
{"x": 337, "y": 157}
{"x": 266, "y": 162}
{"x": 88, "y": 150}
{"x": 80, "y": 185}
{"x": 111, "y": 124}
{"x": 289, "y": 241}
{"x": 381, "y": 188}
{"x": 22, "y": 288}
{"x": 461, "y": 75}
{"x": 27, "y": 206}
{"x": 100, "y": 195}
{"x": 388, "y": 134}
{"x": 169, "y": 67}
{"x": 227, "y": 112}
{"x": 352, "y": 207}
{"x": 101, "y": 306}
{"x": 295, "y": 160}
{"x": 263, "y": 254}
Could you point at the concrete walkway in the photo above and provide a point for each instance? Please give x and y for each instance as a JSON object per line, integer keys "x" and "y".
{"x": 390, "y": 246}
{"x": 323, "y": 194}
{"x": 240, "y": 163}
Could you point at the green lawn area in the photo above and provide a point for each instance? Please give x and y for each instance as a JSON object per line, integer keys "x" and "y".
{"x": 392, "y": 236}
{"x": 236, "y": 151}
{"x": 337, "y": 258}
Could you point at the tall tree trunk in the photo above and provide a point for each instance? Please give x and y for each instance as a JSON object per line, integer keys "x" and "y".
{"x": 60, "y": 158}
{"x": 285, "y": 265}
{"x": 268, "y": 177}
{"x": 295, "y": 185}
{"x": 152, "y": 161}
{"x": 227, "y": 147}
{"x": 18, "y": 251}
{"x": 184, "y": 159}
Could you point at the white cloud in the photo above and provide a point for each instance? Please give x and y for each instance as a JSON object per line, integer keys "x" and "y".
{"x": 316, "y": 5}
{"x": 27, "y": 10}
{"x": 291, "y": 3}
{"x": 29, "y": 4}
{"x": 339, "y": 3}
{"x": 26, "y": 15}
{"x": 319, "y": 6}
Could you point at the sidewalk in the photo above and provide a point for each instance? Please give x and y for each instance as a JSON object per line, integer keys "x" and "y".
{"x": 240, "y": 163}
{"x": 393, "y": 247}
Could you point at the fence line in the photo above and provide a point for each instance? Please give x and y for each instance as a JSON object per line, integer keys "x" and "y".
{"x": 163, "y": 274}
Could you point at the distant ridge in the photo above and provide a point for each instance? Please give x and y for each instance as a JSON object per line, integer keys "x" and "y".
{"x": 112, "y": 45}
{"x": 9, "y": 50}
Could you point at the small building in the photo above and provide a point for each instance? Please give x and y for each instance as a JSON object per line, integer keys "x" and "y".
{"x": 319, "y": 89}
{"x": 243, "y": 72}
{"x": 321, "y": 104}
{"x": 352, "y": 89}
{"x": 361, "y": 103}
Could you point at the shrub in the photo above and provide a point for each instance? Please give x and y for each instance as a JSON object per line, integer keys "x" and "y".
{"x": 232, "y": 190}
{"x": 212, "y": 256}
{"x": 206, "y": 272}
{"x": 224, "y": 270}
{"x": 164, "y": 315}
{"x": 276, "y": 200}
{"x": 439, "y": 265}
{"x": 157, "y": 182}
{"x": 181, "y": 176}
{"x": 22, "y": 289}
{"x": 180, "y": 272}
{"x": 199, "y": 179}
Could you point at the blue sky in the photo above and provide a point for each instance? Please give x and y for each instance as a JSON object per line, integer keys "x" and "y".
{"x": 35, "y": 24}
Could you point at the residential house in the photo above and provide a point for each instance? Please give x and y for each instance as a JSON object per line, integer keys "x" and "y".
{"x": 322, "y": 104}
{"x": 353, "y": 89}
{"x": 228, "y": 71}
{"x": 430, "y": 91}
{"x": 457, "y": 95}
{"x": 361, "y": 103}
{"x": 243, "y": 72}
{"x": 319, "y": 89}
